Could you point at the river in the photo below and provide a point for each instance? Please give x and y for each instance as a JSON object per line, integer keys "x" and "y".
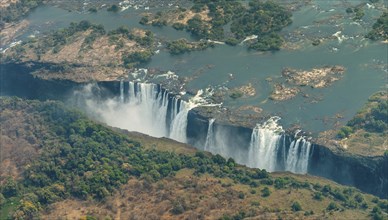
{"x": 365, "y": 61}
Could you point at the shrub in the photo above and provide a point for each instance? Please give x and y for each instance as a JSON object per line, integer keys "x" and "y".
{"x": 318, "y": 196}
{"x": 359, "y": 198}
{"x": 255, "y": 203}
{"x": 113, "y": 8}
{"x": 296, "y": 206}
{"x": 92, "y": 10}
{"x": 308, "y": 213}
{"x": 241, "y": 195}
{"x": 231, "y": 41}
{"x": 178, "y": 26}
{"x": 332, "y": 206}
{"x": 280, "y": 183}
{"x": 177, "y": 208}
{"x": 265, "y": 192}
{"x": 144, "y": 20}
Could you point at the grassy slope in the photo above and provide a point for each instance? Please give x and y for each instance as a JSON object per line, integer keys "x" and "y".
{"x": 184, "y": 193}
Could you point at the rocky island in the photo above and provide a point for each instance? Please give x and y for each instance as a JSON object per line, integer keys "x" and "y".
{"x": 315, "y": 78}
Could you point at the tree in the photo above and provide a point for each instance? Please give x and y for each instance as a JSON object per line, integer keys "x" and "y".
{"x": 9, "y": 188}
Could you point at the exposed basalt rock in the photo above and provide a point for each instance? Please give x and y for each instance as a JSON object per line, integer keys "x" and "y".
{"x": 233, "y": 117}
{"x": 316, "y": 78}
{"x": 251, "y": 108}
{"x": 282, "y": 92}
{"x": 245, "y": 90}
{"x": 292, "y": 81}
{"x": 366, "y": 173}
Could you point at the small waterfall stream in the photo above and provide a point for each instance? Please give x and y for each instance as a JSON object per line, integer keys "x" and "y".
{"x": 210, "y": 136}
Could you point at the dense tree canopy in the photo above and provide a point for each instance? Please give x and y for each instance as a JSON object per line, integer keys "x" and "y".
{"x": 380, "y": 28}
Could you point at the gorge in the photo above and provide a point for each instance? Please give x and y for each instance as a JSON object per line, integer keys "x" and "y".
{"x": 148, "y": 108}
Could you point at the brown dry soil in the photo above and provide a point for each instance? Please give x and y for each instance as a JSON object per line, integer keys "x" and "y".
{"x": 6, "y": 3}
{"x": 80, "y": 62}
{"x": 178, "y": 16}
{"x": 12, "y": 30}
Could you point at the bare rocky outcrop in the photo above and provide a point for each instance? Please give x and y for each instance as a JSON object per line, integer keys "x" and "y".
{"x": 282, "y": 93}
{"x": 293, "y": 81}
{"x": 316, "y": 78}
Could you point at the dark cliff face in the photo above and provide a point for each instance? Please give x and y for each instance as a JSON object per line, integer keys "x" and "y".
{"x": 370, "y": 174}
{"x": 16, "y": 80}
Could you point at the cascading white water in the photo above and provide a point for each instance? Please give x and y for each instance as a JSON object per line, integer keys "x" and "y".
{"x": 122, "y": 91}
{"x": 179, "y": 123}
{"x": 147, "y": 109}
{"x": 264, "y": 145}
{"x": 209, "y": 144}
{"x": 143, "y": 108}
{"x": 298, "y": 156}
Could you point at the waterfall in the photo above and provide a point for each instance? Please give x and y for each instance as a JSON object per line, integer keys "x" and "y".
{"x": 141, "y": 107}
{"x": 210, "y": 136}
{"x": 264, "y": 145}
{"x": 147, "y": 108}
{"x": 122, "y": 91}
{"x": 268, "y": 149}
{"x": 179, "y": 123}
{"x": 298, "y": 156}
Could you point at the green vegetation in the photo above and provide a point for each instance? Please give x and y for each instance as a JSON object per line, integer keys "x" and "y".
{"x": 295, "y": 207}
{"x": 373, "y": 118}
{"x": 16, "y": 10}
{"x": 136, "y": 58}
{"x": 114, "y": 8}
{"x": 132, "y": 47}
{"x": 92, "y": 9}
{"x": 332, "y": 206}
{"x": 316, "y": 42}
{"x": 83, "y": 159}
{"x": 183, "y": 46}
{"x": 264, "y": 19}
{"x": 232, "y": 41}
{"x": 59, "y": 38}
{"x": 380, "y": 28}
{"x": 265, "y": 192}
{"x": 357, "y": 11}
